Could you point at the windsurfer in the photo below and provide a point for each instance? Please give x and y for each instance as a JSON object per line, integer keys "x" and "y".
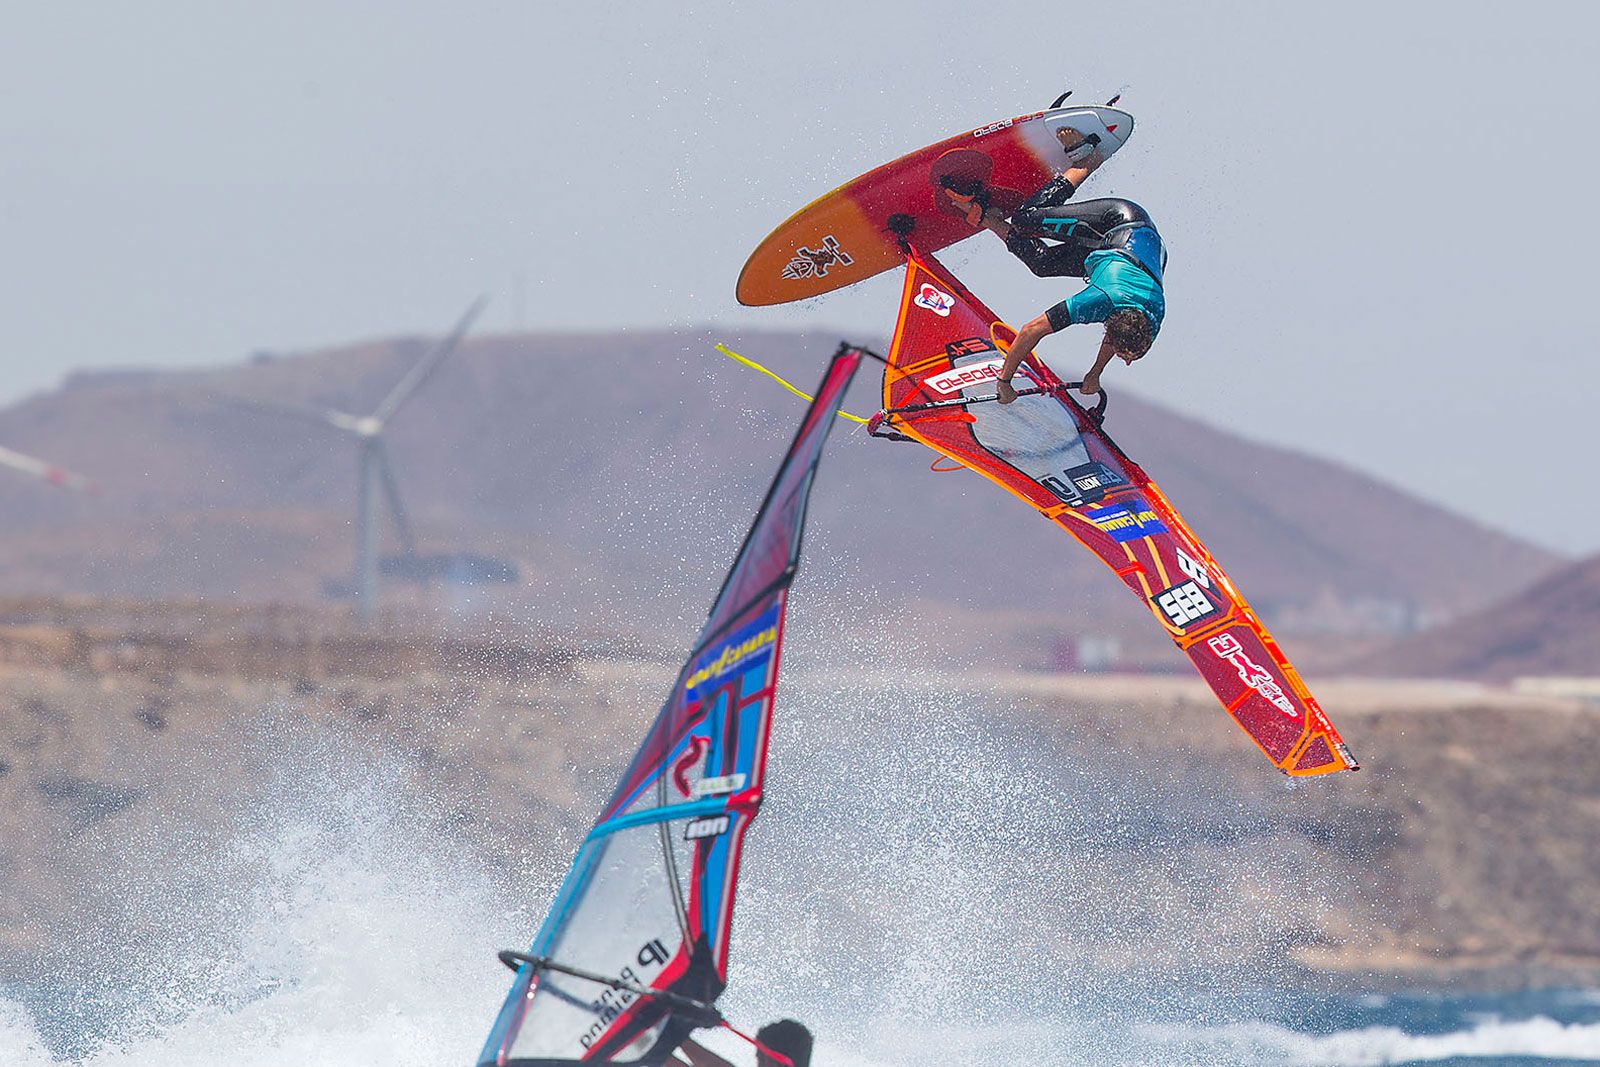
{"x": 1112, "y": 244}
{"x": 786, "y": 1037}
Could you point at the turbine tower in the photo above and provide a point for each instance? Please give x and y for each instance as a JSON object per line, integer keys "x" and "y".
{"x": 375, "y": 471}
{"x": 48, "y": 472}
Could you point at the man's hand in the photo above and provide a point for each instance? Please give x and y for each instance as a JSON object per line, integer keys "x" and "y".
{"x": 1005, "y": 392}
{"x": 978, "y": 216}
{"x": 1027, "y": 337}
{"x": 1090, "y": 385}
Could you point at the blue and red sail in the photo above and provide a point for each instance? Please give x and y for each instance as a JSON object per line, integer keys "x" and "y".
{"x": 648, "y": 903}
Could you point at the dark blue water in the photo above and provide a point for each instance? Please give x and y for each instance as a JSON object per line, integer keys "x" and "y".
{"x": 1524, "y": 1029}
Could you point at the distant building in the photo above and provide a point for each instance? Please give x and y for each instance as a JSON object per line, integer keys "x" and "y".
{"x": 1093, "y": 654}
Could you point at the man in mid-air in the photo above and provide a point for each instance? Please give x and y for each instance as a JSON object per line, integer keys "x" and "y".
{"x": 1111, "y": 243}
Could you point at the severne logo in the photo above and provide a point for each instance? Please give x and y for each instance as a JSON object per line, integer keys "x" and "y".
{"x": 934, "y": 299}
{"x": 693, "y": 753}
{"x": 958, "y": 378}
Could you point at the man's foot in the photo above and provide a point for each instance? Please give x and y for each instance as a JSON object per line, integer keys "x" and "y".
{"x": 1076, "y": 145}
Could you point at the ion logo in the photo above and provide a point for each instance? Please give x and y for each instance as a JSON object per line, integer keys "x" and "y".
{"x": 1227, "y": 646}
{"x": 814, "y": 263}
{"x": 710, "y": 826}
{"x": 1184, "y": 604}
{"x": 957, "y": 378}
{"x": 1085, "y": 484}
{"x": 1093, "y": 479}
{"x": 934, "y": 300}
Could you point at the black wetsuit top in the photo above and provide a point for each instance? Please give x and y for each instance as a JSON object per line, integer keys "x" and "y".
{"x": 1111, "y": 242}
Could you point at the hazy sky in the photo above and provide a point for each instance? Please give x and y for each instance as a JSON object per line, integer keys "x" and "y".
{"x": 1380, "y": 216}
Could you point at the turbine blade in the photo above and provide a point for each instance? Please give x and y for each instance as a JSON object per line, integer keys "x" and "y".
{"x": 391, "y": 490}
{"x": 48, "y": 472}
{"x": 424, "y": 367}
{"x": 339, "y": 420}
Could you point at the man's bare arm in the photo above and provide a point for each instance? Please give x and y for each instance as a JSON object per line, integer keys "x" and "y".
{"x": 1032, "y": 332}
{"x": 1091, "y": 381}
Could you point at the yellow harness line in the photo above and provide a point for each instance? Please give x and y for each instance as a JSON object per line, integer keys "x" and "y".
{"x": 753, "y": 365}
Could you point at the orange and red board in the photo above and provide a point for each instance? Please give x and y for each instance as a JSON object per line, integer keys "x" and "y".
{"x": 845, "y": 237}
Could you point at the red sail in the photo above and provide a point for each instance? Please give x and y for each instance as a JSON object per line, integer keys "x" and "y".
{"x": 1052, "y": 452}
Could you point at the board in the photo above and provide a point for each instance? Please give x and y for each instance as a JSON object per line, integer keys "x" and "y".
{"x": 846, "y": 236}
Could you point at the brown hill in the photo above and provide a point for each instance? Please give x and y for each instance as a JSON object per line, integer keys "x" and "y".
{"x": 619, "y": 470}
{"x": 1550, "y": 629}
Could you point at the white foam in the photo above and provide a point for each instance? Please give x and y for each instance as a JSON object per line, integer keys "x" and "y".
{"x": 20, "y": 1043}
{"x": 365, "y": 935}
{"x": 1376, "y": 1046}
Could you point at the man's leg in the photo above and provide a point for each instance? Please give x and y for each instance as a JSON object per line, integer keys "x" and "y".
{"x": 1047, "y": 261}
{"x": 1085, "y": 223}
{"x": 1056, "y": 192}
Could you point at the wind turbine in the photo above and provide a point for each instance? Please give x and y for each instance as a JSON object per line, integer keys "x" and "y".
{"x": 47, "y": 472}
{"x": 376, "y": 472}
